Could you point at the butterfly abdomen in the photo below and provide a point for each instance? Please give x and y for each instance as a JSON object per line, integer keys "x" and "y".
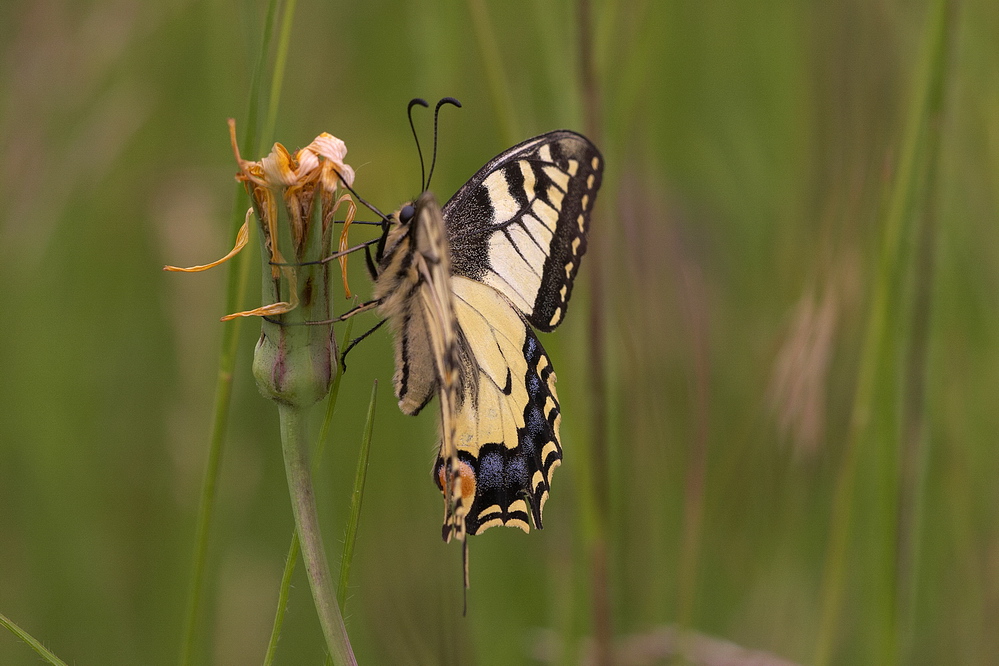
{"x": 397, "y": 288}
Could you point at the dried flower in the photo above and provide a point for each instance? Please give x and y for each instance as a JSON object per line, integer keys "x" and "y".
{"x": 294, "y": 198}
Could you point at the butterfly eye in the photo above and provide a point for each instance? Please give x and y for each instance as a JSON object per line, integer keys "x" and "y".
{"x": 406, "y": 214}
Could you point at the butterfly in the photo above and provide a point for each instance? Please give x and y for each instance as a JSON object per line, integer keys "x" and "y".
{"x": 463, "y": 285}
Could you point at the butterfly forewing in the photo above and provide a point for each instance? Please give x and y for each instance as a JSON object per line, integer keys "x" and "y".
{"x": 519, "y": 225}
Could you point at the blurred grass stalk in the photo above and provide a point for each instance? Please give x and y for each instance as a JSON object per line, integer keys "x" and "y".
{"x": 236, "y": 281}
{"x": 887, "y": 413}
{"x": 32, "y": 642}
{"x": 599, "y": 454}
{"x": 354, "y": 517}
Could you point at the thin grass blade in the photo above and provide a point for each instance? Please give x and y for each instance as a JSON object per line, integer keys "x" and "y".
{"x": 42, "y": 651}
{"x": 355, "y": 500}
{"x": 236, "y": 281}
{"x": 875, "y": 427}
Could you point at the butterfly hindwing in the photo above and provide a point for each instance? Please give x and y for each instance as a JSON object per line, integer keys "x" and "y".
{"x": 507, "y": 433}
{"x": 519, "y": 225}
{"x": 398, "y": 290}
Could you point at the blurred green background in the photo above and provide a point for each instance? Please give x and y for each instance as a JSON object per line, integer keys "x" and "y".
{"x": 752, "y": 154}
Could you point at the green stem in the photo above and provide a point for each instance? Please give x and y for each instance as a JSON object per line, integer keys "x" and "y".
{"x": 294, "y": 442}
{"x": 600, "y": 555}
{"x": 492, "y": 59}
{"x": 277, "y": 76}
{"x": 206, "y": 507}
{"x": 236, "y": 280}
{"x": 42, "y": 651}
{"x": 293, "y": 549}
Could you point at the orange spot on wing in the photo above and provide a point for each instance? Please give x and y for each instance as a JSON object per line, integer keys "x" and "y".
{"x": 467, "y": 483}
{"x": 467, "y": 477}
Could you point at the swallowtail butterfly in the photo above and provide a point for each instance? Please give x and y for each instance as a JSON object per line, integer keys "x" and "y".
{"x": 462, "y": 286}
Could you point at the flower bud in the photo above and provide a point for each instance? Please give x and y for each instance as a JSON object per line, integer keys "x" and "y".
{"x": 294, "y": 198}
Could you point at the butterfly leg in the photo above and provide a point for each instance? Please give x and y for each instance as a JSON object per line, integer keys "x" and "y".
{"x": 357, "y": 309}
{"x": 372, "y": 269}
{"x": 353, "y": 343}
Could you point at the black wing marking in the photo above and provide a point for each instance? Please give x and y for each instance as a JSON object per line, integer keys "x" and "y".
{"x": 520, "y": 224}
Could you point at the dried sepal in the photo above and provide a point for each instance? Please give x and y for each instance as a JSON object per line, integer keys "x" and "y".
{"x": 242, "y": 238}
{"x": 344, "y": 241}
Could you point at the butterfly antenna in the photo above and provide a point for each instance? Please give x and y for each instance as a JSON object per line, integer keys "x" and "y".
{"x": 385, "y": 223}
{"x": 409, "y": 112}
{"x": 437, "y": 112}
{"x": 368, "y": 205}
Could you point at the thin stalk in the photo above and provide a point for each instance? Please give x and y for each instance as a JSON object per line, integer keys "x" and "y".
{"x": 603, "y": 631}
{"x": 499, "y": 86}
{"x": 334, "y": 394}
{"x": 42, "y": 651}
{"x": 915, "y": 452}
{"x": 293, "y": 549}
{"x": 696, "y": 472}
{"x": 277, "y": 76}
{"x": 875, "y": 420}
{"x": 294, "y": 444}
{"x": 236, "y": 281}
{"x": 283, "y": 594}
{"x": 355, "y": 501}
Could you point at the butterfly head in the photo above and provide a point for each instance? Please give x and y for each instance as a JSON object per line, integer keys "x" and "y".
{"x": 405, "y": 214}
{"x": 394, "y": 228}
{"x": 402, "y": 226}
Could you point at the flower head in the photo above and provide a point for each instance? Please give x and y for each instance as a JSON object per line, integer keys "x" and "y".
{"x": 285, "y": 186}
{"x": 295, "y": 197}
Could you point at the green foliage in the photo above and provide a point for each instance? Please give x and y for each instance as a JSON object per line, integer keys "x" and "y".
{"x": 754, "y": 156}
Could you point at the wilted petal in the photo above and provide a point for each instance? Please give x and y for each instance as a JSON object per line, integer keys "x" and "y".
{"x": 308, "y": 161}
{"x": 279, "y": 168}
{"x": 329, "y": 147}
{"x": 242, "y": 238}
{"x": 347, "y": 174}
{"x": 334, "y": 150}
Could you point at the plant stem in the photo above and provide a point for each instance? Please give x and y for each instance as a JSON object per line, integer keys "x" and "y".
{"x": 603, "y": 626}
{"x": 496, "y": 79}
{"x": 236, "y": 280}
{"x": 294, "y": 548}
{"x": 277, "y": 75}
{"x": 294, "y": 442}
